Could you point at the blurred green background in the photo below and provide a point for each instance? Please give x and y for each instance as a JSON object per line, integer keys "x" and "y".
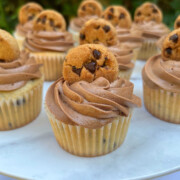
{"x": 9, "y": 9}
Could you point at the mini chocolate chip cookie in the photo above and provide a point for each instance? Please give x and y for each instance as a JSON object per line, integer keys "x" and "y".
{"x": 49, "y": 20}
{"x": 28, "y": 12}
{"x": 118, "y": 16}
{"x": 9, "y": 49}
{"x": 98, "y": 31}
{"x": 88, "y": 62}
{"x": 171, "y": 46}
{"x": 177, "y": 23}
{"x": 90, "y": 8}
{"x": 148, "y": 12}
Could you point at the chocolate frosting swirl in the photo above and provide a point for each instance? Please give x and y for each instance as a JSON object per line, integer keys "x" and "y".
{"x": 131, "y": 38}
{"x": 15, "y": 74}
{"x": 91, "y": 105}
{"x": 164, "y": 74}
{"x": 123, "y": 55}
{"x": 151, "y": 29}
{"x": 77, "y": 23}
{"x": 23, "y": 29}
{"x": 52, "y": 41}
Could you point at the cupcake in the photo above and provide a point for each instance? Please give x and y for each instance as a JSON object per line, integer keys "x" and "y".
{"x": 27, "y": 13}
{"x": 148, "y": 19}
{"x": 20, "y": 85}
{"x": 126, "y": 34}
{"x": 100, "y": 31}
{"x": 161, "y": 79}
{"x": 176, "y": 26}
{"x": 90, "y": 108}
{"x": 49, "y": 42}
{"x": 87, "y": 10}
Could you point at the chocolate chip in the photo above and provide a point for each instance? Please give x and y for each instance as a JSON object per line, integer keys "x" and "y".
{"x": 155, "y": 10}
{"x": 58, "y": 26}
{"x": 174, "y": 38}
{"x": 18, "y": 102}
{"x": 104, "y": 64}
{"x": 31, "y": 17}
{"x": 51, "y": 22}
{"x": 82, "y": 36}
{"x": 96, "y": 54}
{"x": 115, "y": 145}
{"x": 10, "y": 125}
{"x": 97, "y": 27}
{"x": 38, "y": 20}
{"x": 106, "y": 28}
{"x": 168, "y": 50}
{"x": 91, "y": 66}
{"x": 76, "y": 70}
{"x": 122, "y": 16}
{"x": 43, "y": 20}
{"x": 178, "y": 24}
{"x": 96, "y": 40}
{"x": 139, "y": 13}
{"x": 111, "y": 10}
{"x": 104, "y": 140}
{"x": 84, "y": 8}
{"x": 110, "y": 16}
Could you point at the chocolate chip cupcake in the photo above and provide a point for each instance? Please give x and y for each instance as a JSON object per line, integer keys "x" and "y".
{"x": 27, "y": 14}
{"x": 20, "y": 85}
{"x": 90, "y": 110}
{"x": 148, "y": 19}
{"x": 100, "y": 31}
{"x": 126, "y": 35}
{"x": 87, "y": 10}
{"x": 161, "y": 79}
{"x": 49, "y": 42}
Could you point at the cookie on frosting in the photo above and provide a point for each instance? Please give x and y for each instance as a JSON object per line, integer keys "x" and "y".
{"x": 9, "y": 49}
{"x": 90, "y": 8}
{"x": 177, "y": 23}
{"x": 148, "y": 12}
{"x": 88, "y": 62}
{"x": 118, "y": 16}
{"x": 28, "y": 12}
{"x": 97, "y": 31}
{"x": 171, "y": 46}
{"x": 49, "y": 20}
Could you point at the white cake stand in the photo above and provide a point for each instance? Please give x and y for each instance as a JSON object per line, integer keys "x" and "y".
{"x": 151, "y": 149}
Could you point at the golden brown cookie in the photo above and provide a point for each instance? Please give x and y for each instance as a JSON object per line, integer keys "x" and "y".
{"x": 118, "y": 16}
{"x": 177, "y": 23}
{"x": 90, "y": 8}
{"x": 98, "y": 31}
{"x": 28, "y": 12}
{"x": 171, "y": 46}
{"x": 88, "y": 62}
{"x": 49, "y": 20}
{"x": 9, "y": 49}
{"x": 148, "y": 12}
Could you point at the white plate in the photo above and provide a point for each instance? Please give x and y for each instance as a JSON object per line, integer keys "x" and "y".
{"x": 152, "y": 148}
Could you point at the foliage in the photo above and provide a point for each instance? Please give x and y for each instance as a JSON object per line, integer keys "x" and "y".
{"x": 9, "y": 9}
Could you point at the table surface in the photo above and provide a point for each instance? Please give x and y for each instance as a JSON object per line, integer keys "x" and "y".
{"x": 151, "y": 149}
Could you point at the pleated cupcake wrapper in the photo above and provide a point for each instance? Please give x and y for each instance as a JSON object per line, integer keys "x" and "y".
{"x": 87, "y": 142}
{"x": 148, "y": 49}
{"x": 52, "y": 64}
{"x": 20, "y": 110}
{"x": 163, "y": 104}
{"x": 125, "y": 74}
{"x": 75, "y": 35}
{"x": 135, "y": 54}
